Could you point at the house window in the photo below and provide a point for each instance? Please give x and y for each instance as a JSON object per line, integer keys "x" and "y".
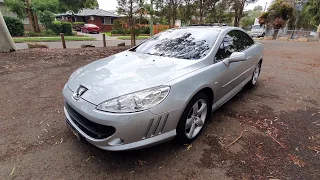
{"x": 106, "y": 20}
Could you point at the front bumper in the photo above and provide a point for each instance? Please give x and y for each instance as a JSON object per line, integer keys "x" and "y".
{"x": 132, "y": 130}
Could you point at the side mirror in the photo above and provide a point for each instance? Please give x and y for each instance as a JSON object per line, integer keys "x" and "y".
{"x": 235, "y": 57}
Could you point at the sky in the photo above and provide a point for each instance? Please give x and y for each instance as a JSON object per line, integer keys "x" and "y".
{"x": 112, "y": 4}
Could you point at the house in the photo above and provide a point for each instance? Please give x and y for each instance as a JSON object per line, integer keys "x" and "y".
{"x": 102, "y": 18}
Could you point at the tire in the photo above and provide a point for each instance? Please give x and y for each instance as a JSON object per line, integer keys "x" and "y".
{"x": 190, "y": 120}
{"x": 255, "y": 76}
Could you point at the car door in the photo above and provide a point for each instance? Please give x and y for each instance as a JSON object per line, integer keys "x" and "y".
{"x": 230, "y": 79}
{"x": 252, "y": 56}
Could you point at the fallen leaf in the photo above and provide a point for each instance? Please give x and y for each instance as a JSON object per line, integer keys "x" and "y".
{"x": 14, "y": 168}
{"x": 296, "y": 160}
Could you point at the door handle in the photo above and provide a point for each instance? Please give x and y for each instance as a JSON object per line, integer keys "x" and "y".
{"x": 249, "y": 57}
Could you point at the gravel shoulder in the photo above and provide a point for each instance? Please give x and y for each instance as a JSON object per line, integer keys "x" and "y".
{"x": 268, "y": 132}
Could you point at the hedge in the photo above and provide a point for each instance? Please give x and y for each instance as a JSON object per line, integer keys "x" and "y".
{"x": 77, "y": 25}
{"x": 62, "y": 27}
{"x": 139, "y": 30}
{"x": 14, "y": 25}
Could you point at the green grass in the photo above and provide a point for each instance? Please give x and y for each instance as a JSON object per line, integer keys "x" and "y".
{"x": 128, "y": 37}
{"x": 52, "y": 39}
{"x": 108, "y": 33}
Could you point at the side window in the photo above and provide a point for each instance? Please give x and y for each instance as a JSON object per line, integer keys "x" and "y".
{"x": 247, "y": 40}
{"x": 232, "y": 42}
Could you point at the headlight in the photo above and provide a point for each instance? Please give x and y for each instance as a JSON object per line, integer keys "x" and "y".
{"x": 137, "y": 101}
{"x": 76, "y": 72}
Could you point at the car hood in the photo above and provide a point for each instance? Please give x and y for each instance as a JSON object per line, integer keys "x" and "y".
{"x": 128, "y": 72}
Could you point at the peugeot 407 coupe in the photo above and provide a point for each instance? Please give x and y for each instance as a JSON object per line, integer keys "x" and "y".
{"x": 165, "y": 88}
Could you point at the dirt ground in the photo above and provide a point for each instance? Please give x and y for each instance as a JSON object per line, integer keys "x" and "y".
{"x": 269, "y": 132}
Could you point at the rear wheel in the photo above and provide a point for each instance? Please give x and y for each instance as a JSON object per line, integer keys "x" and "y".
{"x": 193, "y": 119}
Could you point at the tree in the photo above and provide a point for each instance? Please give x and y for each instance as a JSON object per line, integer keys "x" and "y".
{"x": 250, "y": 17}
{"x": 126, "y": 7}
{"x": 186, "y": 10}
{"x": 172, "y": 10}
{"x": 221, "y": 14}
{"x": 258, "y": 8}
{"x": 238, "y": 7}
{"x": 76, "y": 5}
{"x": 277, "y": 15}
{"x": 46, "y": 10}
{"x": 16, "y": 6}
{"x": 6, "y": 42}
{"x": 206, "y": 8}
{"x": 32, "y": 8}
{"x": 149, "y": 9}
{"x": 310, "y": 15}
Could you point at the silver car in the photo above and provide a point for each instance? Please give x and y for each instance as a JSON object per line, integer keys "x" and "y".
{"x": 163, "y": 89}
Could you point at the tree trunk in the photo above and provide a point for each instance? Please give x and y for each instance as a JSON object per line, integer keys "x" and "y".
{"x": 236, "y": 21}
{"x": 133, "y": 37}
{"x": 201, "y": 12}
{"x": 30, "y": 16}
{"x": 151, "y": 18}
{"x": 6, "y": 41}
{"x": 318, "y": 33}
{"x": 275, "y": 33}
{"x": 36, "y": 23}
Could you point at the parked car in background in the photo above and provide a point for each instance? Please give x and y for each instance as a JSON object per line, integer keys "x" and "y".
{"x": 164, "y": 88}
{"x": 90, "y": 28}
{"x": 258, "y": 31}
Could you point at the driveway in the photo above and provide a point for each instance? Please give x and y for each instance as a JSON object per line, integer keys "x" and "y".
{"x": 268, "y": 132}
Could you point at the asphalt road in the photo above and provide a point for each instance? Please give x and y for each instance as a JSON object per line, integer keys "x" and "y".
{"x": 268, "y": 132}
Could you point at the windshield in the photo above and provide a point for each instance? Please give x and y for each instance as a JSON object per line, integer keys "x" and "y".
{"x": 189, "y": 43}
{"x": 257, "y": 27}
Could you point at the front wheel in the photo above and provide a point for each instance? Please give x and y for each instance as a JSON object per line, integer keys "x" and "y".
{"x": 255, "y": 75}
{"x": 193, "y": 119}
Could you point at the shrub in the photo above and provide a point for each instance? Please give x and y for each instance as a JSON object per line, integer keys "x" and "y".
{"x": 145, "y": 30}
{"x": 77, "y": 25}
{"x": 62, "y": 27}
{"x": 120, "y": 31}
{"x": 66, "y": 28}
{"x": 163, "y": 28}
{"x": 114, "y": 31}
{"x": 46, "y": 33}
{"x": 56, "y": 27}
{"x": 14, "y": 25}
{"x": 117, "y": 24}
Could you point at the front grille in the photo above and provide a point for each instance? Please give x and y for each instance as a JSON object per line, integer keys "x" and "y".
{"x": 92, "y": 129}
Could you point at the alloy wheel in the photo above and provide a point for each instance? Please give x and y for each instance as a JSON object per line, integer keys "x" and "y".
{"x": 256, "y": 74}
{"x": 196, "y": 118}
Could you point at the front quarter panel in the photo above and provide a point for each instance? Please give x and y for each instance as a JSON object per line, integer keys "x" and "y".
{"x": 185, "y": 87}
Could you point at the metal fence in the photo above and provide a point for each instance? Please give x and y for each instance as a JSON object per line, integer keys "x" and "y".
{"x": 294, "y": 34}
